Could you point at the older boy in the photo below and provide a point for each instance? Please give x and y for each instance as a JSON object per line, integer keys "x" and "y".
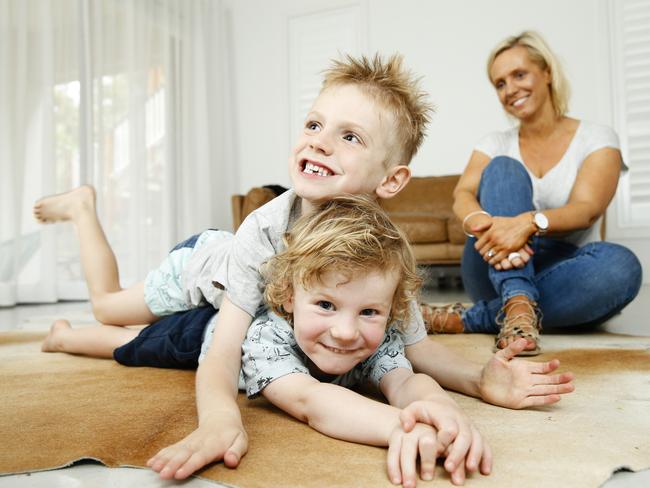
{"x": 340, "y": 291}
{"x": 362, "y": 131}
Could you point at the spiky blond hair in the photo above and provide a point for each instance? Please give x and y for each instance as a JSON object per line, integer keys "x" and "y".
{"x": 394, "y": 88}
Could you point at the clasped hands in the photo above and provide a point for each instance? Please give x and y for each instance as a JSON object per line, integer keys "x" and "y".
{"x": 503, "y": 241}
{"x": 432, "y": 429}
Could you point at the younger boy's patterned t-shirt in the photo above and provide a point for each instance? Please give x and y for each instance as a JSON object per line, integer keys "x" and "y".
{"x": 270, "y": 351}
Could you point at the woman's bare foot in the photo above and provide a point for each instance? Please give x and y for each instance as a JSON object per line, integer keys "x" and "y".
{"x": 65, "y": 206}
{"x": 53, "y": 342}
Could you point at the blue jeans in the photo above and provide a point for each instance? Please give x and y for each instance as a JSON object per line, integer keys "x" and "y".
{"x": 573, "y": 286}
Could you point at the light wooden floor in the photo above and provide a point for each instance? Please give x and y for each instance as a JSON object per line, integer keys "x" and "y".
{"x": 633, "y": 320}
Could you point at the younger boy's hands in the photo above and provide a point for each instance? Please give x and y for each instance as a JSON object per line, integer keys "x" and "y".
{"x": 208, "y": 443}
{"x": 458, "y": 440}
{"x": 404, "y": 448}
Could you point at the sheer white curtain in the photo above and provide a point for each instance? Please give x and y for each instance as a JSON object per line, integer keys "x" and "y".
{"x": 131, "y": 97}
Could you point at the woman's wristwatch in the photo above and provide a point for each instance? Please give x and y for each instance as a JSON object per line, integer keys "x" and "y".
{"x": 541, "y": 222}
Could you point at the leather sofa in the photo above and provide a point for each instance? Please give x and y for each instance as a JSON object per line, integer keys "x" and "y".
{"x": 242, "y": 205}
{"x": 423, "y": 210}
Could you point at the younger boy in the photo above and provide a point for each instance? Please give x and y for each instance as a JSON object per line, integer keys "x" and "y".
{"x": 339, "y": 292}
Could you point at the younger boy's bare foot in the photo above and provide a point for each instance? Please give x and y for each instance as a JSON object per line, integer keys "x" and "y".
{"x": 65, "y": 206}
{"x": 53, "y": 341}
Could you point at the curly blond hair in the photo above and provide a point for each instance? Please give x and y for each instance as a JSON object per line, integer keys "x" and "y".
{"x": 392, "y": 87}
{"x": 350, "y": 235}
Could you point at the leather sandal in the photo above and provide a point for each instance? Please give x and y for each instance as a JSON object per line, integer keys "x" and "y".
{"x": 526, "y": 324}
{"x": 443, "y": 319}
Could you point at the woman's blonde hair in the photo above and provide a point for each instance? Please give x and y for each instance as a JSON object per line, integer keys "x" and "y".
{"x": 350, "y": 235}
{"x": 392, "y": 86}
{"x": 542, "y": 56}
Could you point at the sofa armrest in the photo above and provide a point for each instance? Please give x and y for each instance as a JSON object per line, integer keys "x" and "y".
{"x": 242, "y": 205}
{"x": 455, "y": 231}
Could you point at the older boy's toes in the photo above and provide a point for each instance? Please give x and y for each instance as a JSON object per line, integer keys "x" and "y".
{"x": 65, "y": 206}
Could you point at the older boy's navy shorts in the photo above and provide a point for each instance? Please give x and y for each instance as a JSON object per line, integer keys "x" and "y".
{"x": 173, "y": 341}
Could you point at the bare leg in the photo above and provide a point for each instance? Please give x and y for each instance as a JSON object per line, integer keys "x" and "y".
{"x": 111, "y": 304}
{"x": 98, "y": 342}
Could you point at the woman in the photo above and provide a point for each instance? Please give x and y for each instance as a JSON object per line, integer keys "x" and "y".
{"x": 531, "y": 200}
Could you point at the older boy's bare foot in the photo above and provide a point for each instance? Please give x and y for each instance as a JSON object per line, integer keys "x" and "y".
{"x": 65, "y": 206}
{"x": 53, "y": 341}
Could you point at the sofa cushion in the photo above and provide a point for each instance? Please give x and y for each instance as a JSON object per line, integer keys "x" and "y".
{"x": 427, "y": 195}
{"x": 455, "y": 231}
{"x": 423, "y": 210}
{"x": 420, "y": 228}
{"x": 440, "y": 253}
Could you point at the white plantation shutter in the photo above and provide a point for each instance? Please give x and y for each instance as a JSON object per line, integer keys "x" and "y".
{"x": 314, "y": 39}
{"x": 631, "y": 80}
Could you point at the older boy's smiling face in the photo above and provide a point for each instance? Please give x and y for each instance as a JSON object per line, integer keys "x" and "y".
{"x": 344, "y": 147}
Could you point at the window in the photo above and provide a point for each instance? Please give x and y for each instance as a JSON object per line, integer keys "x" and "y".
{"x": 127, "y": 164}
{"x": 631, "y": 84}
{"x": 315, "y": 39}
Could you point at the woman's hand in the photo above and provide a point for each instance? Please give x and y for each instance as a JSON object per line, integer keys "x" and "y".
{"x": 504, "y": 236}
{"x": 477, "y": 224}
{"x": 517, "y": 259}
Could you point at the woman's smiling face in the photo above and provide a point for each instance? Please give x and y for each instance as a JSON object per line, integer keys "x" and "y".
{"x": 522, "y": 86}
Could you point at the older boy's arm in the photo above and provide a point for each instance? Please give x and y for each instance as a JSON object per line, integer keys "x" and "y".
{"x": 423, "y": 400}
{"x": 503, "y": 380}
{"x": 449, "y": 369}
{"x": 220, "y": 434}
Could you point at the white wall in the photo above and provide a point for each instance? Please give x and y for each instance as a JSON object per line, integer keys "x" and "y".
{"x": 445, "y": 42}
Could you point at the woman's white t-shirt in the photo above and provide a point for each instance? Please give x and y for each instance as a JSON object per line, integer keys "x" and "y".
{"x": 554, "y": 188}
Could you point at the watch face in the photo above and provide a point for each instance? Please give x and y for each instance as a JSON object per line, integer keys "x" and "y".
{"x": 541, "y": 221}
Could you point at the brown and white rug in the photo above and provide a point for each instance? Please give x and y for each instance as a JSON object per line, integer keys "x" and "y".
{"x": 58, "y": 408}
